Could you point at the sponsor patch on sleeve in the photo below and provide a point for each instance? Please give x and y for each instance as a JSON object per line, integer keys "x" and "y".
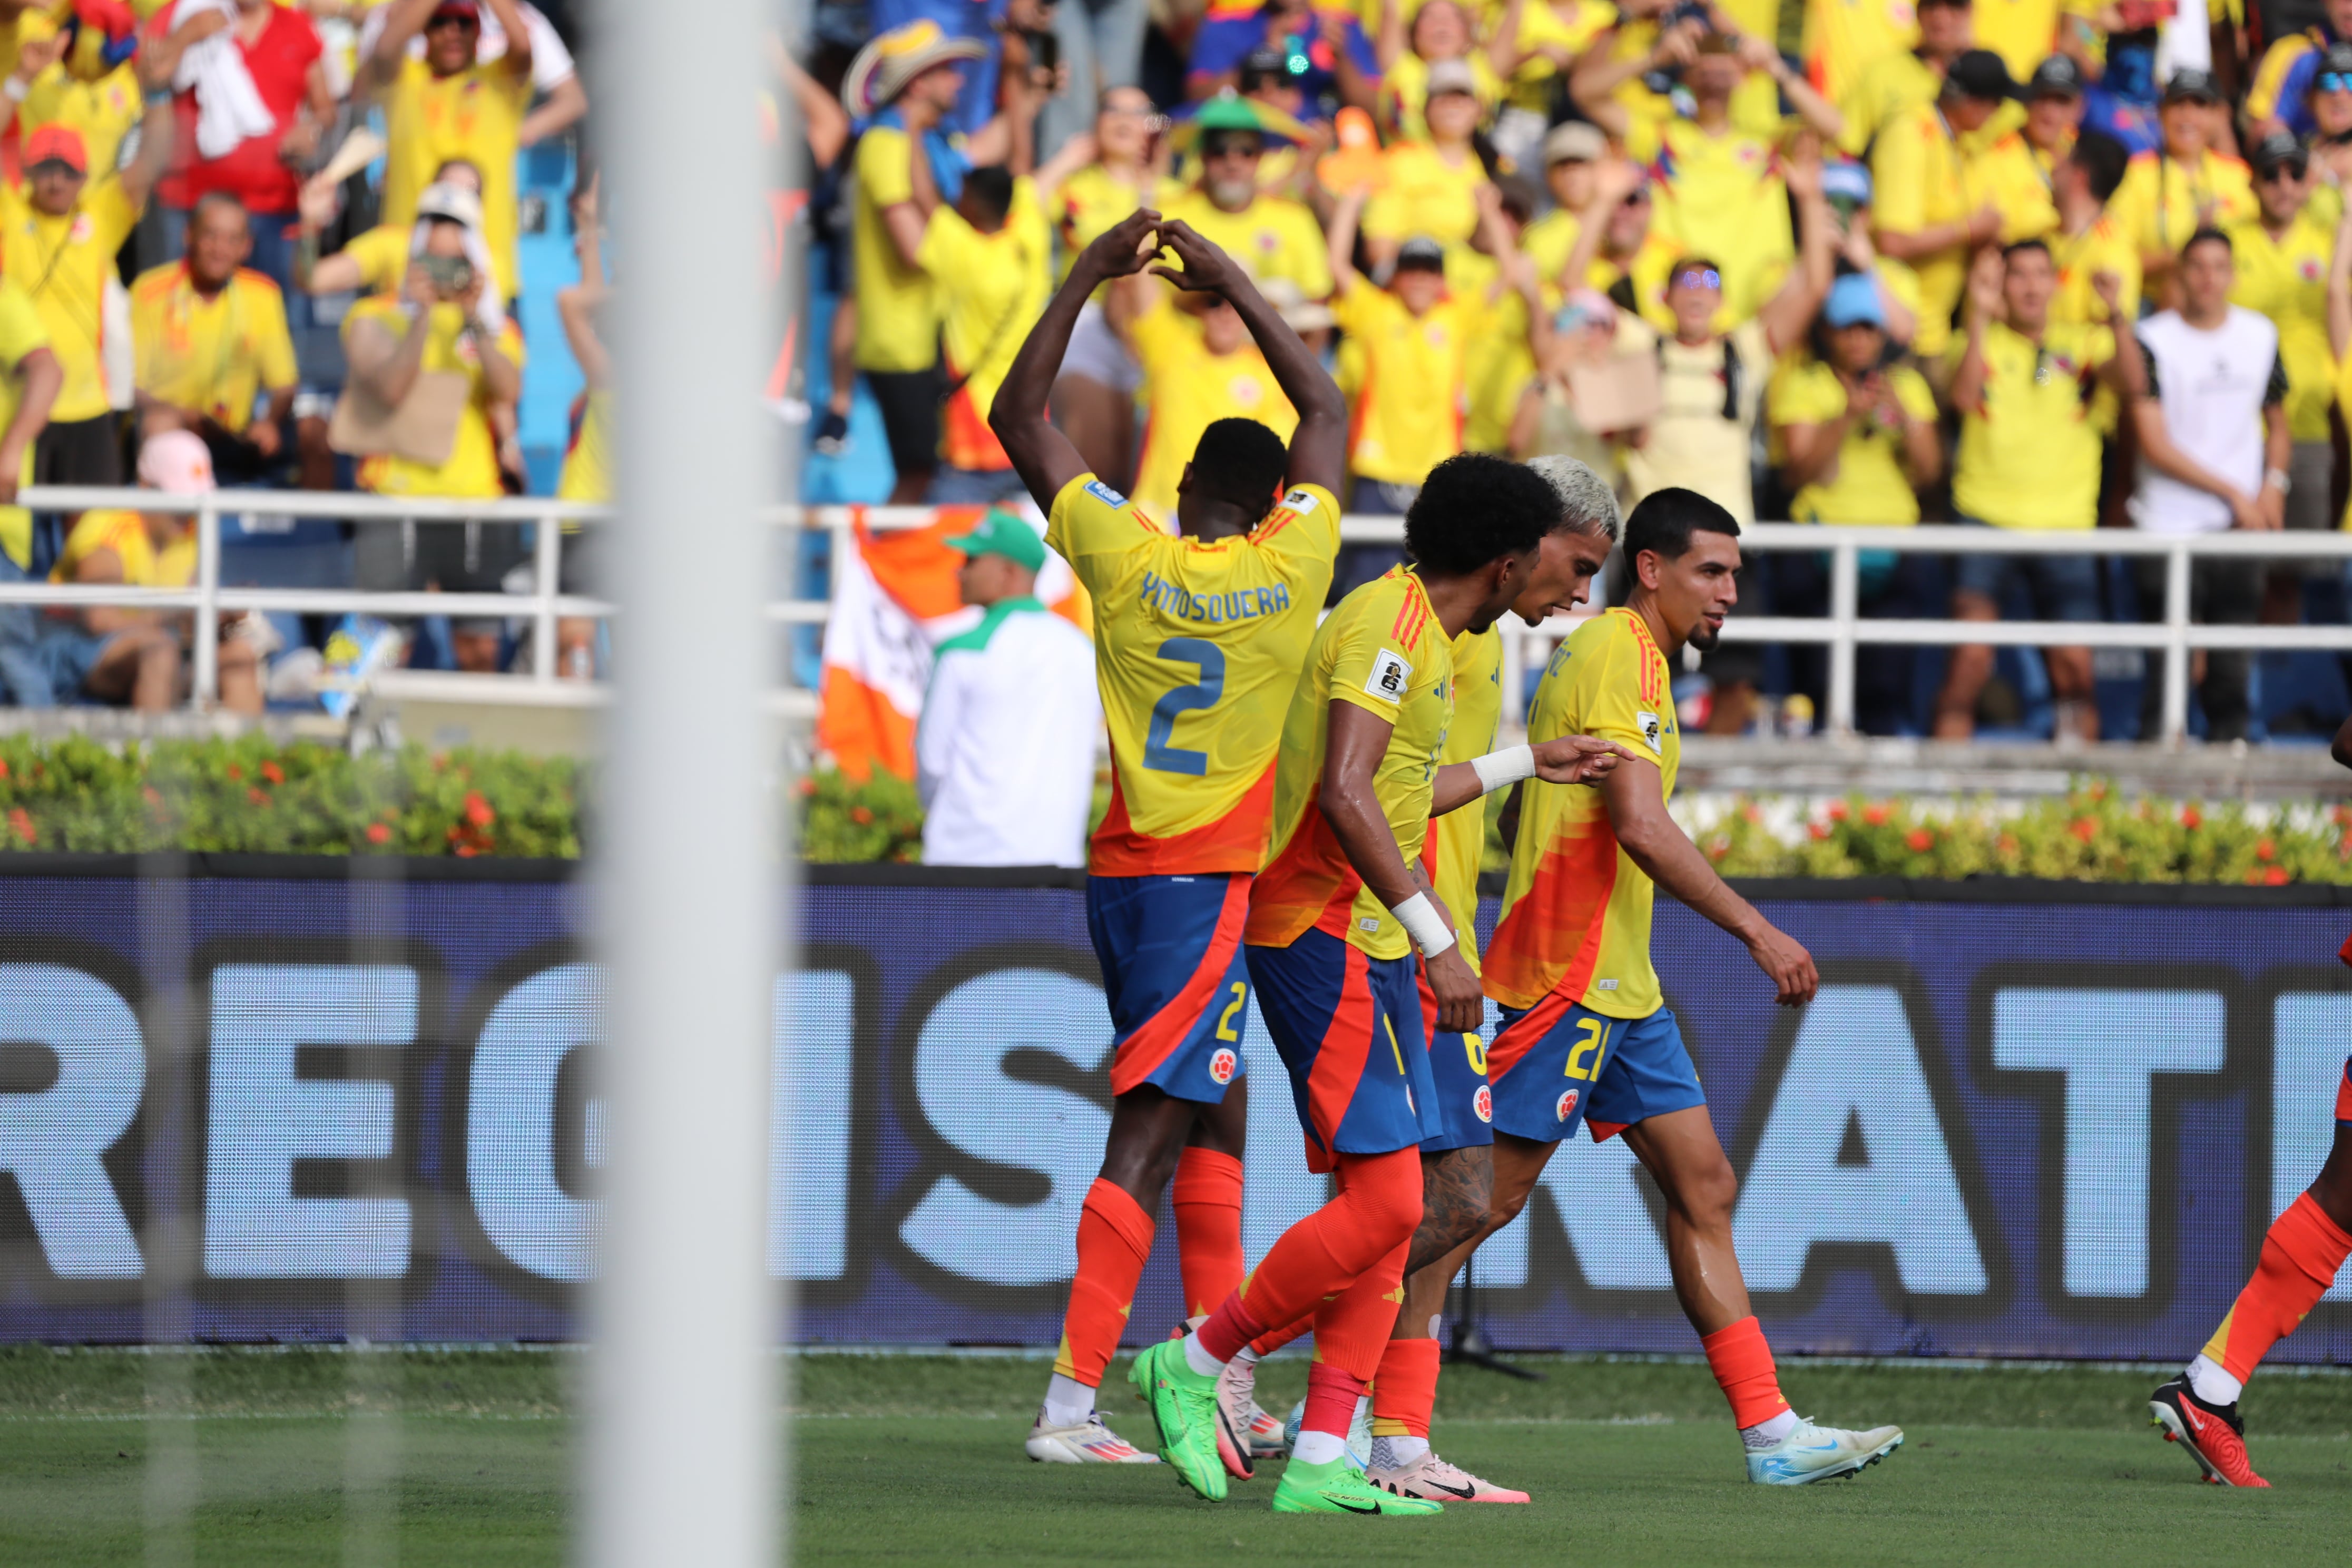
{"x": 1650, "y": 729}
{"x": 1300, "y": 500}
{"x": 1390, "y": 675}
{"x": 1105, "y": 494}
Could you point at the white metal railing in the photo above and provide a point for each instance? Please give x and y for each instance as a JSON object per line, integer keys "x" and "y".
{"x": 1843, "y": 630}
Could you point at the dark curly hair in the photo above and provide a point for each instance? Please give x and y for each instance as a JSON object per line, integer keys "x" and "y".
{"x": 1475, "y": 508}
{"x": 1240, "y": 462}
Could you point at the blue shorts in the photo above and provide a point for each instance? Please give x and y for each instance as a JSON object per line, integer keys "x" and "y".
{"x": 2062, "y": 587}
{"x": 69, "y": 653}
{"x": 1171, "y": 952}
{"x": 1348, "y": 1028}
{"x": 1557, "y": 1064}
{"x": 1457, "y": 1071}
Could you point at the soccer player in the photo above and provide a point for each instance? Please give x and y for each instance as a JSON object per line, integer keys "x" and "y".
{"x": 1457, "y": 1164}
{"x": 2302, "y": 1252}
{"x": 1199, "y": 636}
{"x": 1586, "y": 1036}
{"x": 1334, "y": 918}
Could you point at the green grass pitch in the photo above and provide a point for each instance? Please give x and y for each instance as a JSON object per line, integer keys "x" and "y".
{"x": 904, "y": 1459}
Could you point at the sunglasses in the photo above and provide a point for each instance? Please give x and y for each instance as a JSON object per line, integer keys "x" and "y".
{"x": 2279, "y": 172}
{"x": 1232, "y": 149}
{"x": 1700, "y": 278}
{"x": 2332, "y": 81}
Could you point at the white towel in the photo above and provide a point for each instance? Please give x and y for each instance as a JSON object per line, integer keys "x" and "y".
{"x": 229, "y": 106}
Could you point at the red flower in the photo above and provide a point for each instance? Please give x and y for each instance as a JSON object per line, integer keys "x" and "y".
{"x": 234, "y": 772}
{"x": 2265, "y": 850}
{"x": 3, "y": 767}
{"x": 1876, "y": 816}
{"x": 273, "y": 773}
{"x": 2253, "y": 879}
{"x": 258, "y": 796}
{"x": 2006, "y": 844}
{"x": 1820, "y": 830}
{"x": 478, "y": 810}
{"x": 20, "y": 823}
{"x": 1837, "y": 811}
{"x": 808, "y": 787}
{"x": 465, "y": 852}
{"x": 2191, "y": 818}
{"x": 153, "y": 795}
{"x": 2276, "y": 876}
{"x": 1921, "y": 840}
{"x": 2083, "y": 828}
{"x": 378, "y": 833}
{"x": 861, "y": 814}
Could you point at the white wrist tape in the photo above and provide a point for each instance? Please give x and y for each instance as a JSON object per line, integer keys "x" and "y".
{"x": 1500, "y": 770}
{"x": 1422, "y": 923}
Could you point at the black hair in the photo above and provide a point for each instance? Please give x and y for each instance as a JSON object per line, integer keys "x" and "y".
{"x": 1477, "y": 508}
{"x": 1520, "y": 197}
{"x": 991, "y": 188}
{"x": 1666, "y": 519}
{"x": 217, "y": 201}
{"x": 2103, "y": 159}
{"x": 2011, "y": 251}
{"x": 2206, "y": 235}
{"x": 1241, "y": 463}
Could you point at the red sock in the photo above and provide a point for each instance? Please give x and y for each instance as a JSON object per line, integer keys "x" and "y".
{"x": 1742, "y": 1365}
{"x": 2300, "y": 1256}
{"x": 1404, "y": 1393}
{"x": 1331, "y": 1395}
{"x": 1208, "y": 1201}
{"x": 1352, "y": 1329}
{"x": 1315, "y": 1261}
{"x": 1267, "y": 1343}
{"x": 1114, "y": 1238}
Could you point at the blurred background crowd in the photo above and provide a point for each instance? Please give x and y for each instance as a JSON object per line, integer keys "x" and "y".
{"x": 2030, "y": 264}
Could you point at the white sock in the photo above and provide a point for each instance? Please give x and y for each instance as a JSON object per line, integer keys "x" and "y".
{"x": 1197, "y": 1357}
{"x": 1246, "y": 1358}
{"x": 1068, "y": 1402}
{"x": 2213, "y": 1385}
{"x": 1318, "y": 1448}
{"x": 1395, "y": 1453}
{"x": 1764, "y": 1433}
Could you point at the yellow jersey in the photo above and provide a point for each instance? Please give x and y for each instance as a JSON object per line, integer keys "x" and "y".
{"x": 125, "y": 533}
{"x": 21, "y": 334}
{"x": 2286, "y": 279}
{"x": 2029, "y": 453}
{"x": 1499, "y": 363}
{"x": 216, "y": 356}
{"x": 1381, "y": 650}
{"x": 2023, "y": 32}
{"x": 1568, "y": 27}
{"x": 1273, "y": 236}
{"x": 1918, "y": 181}
{"x": 897, "y": 316}
{"x": 102, "y": 110}
{"x": 2081, "y": 258}
{"x": 1186, "y": 390}
{"x": 472, "y": 469}
{"x": 1721, "y": 199}
{"x": 1197, "y": 646}
{"x": 1088, "y": 205}
{"x": 382, "y": 253}
{"x": 1842, "y": 37}
{"x": 64, "y": 263}
{"x": 1404, "y": 89}
{"x": 2162, "y": 202}
{"x": 588, "y": 462}
{"x": 1881, "y": 91}
{"x": 1457, "y": 841}
{"x": 1576, "y": 913}
{"x": 2007, "y": 174}
{"x": 989, "y": 288}
{"x": 1409, "y": 409}
{"x": 475, "y": 115}
{"x": 1422, "y": 193}
{"x": 1867, "y": 484}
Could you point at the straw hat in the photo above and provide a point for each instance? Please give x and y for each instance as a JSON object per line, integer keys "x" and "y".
{"x": 886, "y": 65}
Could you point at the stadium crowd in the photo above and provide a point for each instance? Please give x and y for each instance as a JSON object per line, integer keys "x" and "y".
{"x": 2030, "y": 264}
{"x": 254, "y": 242}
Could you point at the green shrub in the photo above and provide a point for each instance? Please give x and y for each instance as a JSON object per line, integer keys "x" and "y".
{"x": 846, "y": 822}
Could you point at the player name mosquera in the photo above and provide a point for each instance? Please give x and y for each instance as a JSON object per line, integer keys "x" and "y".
{"x": 1238, "y": 605}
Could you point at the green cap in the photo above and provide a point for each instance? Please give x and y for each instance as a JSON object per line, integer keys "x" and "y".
{"x": 1002, "y": 533}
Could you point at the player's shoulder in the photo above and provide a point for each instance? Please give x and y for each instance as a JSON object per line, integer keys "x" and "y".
{"x": 1395, "y": 607}
{"x": 1087, "y": 499}
{"x": 1477, "y": 656}
{"x": 1305, "y": 510}
{"x": 157, "y": 281}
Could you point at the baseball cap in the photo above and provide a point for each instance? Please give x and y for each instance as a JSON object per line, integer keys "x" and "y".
{"x": 999, "y": 532}
{"x": 457, "y": 9}
{"x": 1298, "y": 313}
{"x": 2335, "y": 61}
{"x": 2278, "y": 149}
{"x": 1421, "y": 254}
{"x": 1853, "y": 302}
{"x": 2190, "y": 85}
{"x": 1574, "y": 142}
{"x": 1981, "y": 73}
{"x": 454, "y": 203}
{"x": 54, "y": 144}
{"x": 1846, "y": 182}
{"x": 176, "y": 462}
{"x": 2057, "y": 77}
{"x": 1452, "y": 76}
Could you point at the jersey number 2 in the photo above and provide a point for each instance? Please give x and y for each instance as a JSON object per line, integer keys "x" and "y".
{"x": 1158, "y": 754}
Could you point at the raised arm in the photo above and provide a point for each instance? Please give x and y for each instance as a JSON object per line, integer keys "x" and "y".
{"x": 1983, "y": 302}
{"x": 1041, "y": 454}
{"x": 405, "y": 21}
{"x": 155, "y": 131}
{"x": 822, "y": 120}
{"x": 1790, "y": 312}
{"x": 2340, "y": 288}
{"x": 1758, "y": 54}
{"x": 1339, "y": 245}
{"x": 517, "y": 59}
{"x": 1652, "y": 840}
{"x": 1318, "y": 447}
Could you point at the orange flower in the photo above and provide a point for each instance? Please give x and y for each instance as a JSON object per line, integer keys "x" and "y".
{"x": 2006, "y": 844}
{"x": 236, "y": 772}
{"x": 2191, "y": 818}
{"x": 1820, "y": 830}
{"x": 153, "y": 795}
{"x": 2265, "y": 850}
{"x": 378, "y": 833}
{"x": 20, "y": 823}
{"x": 478, "y": 810}
{"x": 465, "y": 852}
{"x": 1837, "y": 811}
{"x": 1876, "y": 816}
{"x": 861, "y": 814}
{"x": 3, "y": 767}
{"x": 258, "y": 796}
{"x": 273, "y": 773}
{"x": 2083, "y": 828}
{"x": 2276, "y": 876}
{"x": 808, "y": 787}
{"x": 1920, "y": 840}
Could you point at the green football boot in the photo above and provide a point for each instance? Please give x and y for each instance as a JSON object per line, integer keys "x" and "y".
{"x": 1183, "y": 1405}
{"x": 1340, "y": 1488}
